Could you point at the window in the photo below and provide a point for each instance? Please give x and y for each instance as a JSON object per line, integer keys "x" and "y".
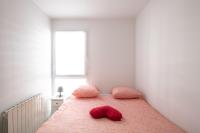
{"x": 69, "y": 60}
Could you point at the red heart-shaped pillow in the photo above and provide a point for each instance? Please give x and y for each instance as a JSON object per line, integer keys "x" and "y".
{"x": 106, "y": 111}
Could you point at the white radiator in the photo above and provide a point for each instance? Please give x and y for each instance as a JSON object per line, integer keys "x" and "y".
{"x": 25, "y": 117}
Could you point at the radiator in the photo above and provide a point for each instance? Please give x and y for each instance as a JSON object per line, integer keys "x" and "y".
{"x": 25, "y": 117}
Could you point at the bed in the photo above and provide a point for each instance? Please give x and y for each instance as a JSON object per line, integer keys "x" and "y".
{"x": 138, "y": 117}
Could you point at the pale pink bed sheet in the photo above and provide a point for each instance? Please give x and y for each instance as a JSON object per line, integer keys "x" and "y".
{"x": 138, "y": 117}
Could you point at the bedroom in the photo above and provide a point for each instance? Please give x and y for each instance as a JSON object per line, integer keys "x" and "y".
{"x": 149, "y": 45}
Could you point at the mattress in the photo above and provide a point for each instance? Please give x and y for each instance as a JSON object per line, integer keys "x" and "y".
{"x": 138, "y": 117}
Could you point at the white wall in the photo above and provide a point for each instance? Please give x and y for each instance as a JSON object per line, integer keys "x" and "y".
{"x": 110, "y": 50}
{"x": 25, "y": 49}
{"x": 168, "y": 59}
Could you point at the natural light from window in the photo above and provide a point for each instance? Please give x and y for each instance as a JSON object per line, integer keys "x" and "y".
{"x": 70, "y": 52}
{"x": 69, "y": 60}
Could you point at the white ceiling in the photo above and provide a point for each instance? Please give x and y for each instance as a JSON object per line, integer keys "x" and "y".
{"x": 91, "y": 8}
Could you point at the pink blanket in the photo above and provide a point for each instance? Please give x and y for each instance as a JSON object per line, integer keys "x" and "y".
{"x": 138, "y": 117}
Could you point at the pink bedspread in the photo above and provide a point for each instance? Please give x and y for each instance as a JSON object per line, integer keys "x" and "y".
{"x": 138, "y": 117}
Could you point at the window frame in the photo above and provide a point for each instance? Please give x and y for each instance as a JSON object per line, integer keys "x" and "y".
{"x": 54, "y": 75}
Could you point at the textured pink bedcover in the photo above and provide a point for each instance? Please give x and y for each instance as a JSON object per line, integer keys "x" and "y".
{"x": 138, "y": 117}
